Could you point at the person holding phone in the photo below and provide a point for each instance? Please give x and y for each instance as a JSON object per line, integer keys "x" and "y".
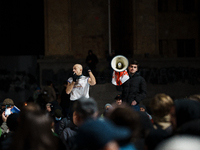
{"x": 6, "y": 107}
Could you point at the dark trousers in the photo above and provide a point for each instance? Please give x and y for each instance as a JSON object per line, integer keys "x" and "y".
{"x": 70, "y": 114}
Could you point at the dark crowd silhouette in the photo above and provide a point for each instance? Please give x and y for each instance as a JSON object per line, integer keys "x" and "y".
{"x": 47, "y": 121}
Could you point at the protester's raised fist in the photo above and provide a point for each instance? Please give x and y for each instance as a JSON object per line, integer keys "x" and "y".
{"x": 87, "y": 69}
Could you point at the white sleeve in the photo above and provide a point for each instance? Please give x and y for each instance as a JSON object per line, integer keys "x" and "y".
{"x": 70, "y": 80}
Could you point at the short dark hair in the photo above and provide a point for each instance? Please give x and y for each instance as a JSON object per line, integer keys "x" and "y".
{"x": 134, "y": 62}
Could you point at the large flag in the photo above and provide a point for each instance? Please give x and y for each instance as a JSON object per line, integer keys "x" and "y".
{"x": 119, "y": 78}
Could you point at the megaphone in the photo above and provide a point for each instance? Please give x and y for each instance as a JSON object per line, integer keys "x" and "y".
{"x": 119, "y": 63}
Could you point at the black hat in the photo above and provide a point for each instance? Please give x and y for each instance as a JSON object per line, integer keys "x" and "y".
{"x": 58, "y": 113}
{"x": 118, "y": 96}
{"x": 95, "y": 134}
{"x": 142, "y": 106}
{"x": 186, "y": 110}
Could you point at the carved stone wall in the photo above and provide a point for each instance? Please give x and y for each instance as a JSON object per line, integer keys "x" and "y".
{"x": 145, "y": 27}
{"x": 57, "y": 27}
{"x": 72, "y": 27}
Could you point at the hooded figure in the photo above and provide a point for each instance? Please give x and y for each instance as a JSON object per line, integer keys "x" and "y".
{"x": 185, "y": 116}
{"x": 186, "y": 110}
{"x": 92, "y": 61}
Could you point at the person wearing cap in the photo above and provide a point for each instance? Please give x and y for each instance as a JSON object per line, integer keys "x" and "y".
{"x": 7, "y": 103}
{"x": 57, "y": 119}
{"x": 6, "y": 106}
{"x": 118, "y": 99}
{"x": 106, "y": 111}
{"x": 83, "y": 109}
{"x": 143, "y": 109}
{"x": 100, "y": 134}
{"x": 78, "y": 85}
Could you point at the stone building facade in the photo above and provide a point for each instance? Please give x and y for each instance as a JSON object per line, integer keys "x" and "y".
{"x": 157, "y": 28}
{"x": 160, "y": 34}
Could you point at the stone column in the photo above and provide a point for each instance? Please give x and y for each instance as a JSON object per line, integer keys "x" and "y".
{"x": 145, "y": 30}
{"x": 57, "y": 20}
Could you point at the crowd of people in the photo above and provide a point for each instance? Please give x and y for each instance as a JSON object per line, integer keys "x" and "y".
{"x": 72, "y": 120}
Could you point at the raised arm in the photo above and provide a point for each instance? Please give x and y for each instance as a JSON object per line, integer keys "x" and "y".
{"x": 91, "y": 80}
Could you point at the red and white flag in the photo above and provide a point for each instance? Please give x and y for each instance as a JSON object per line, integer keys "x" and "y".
{"x": 119, "y": 78}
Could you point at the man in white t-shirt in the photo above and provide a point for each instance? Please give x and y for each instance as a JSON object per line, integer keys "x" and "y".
{"x": 78, "y": 85}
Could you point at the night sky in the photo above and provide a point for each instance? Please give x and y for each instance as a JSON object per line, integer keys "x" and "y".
{"x": 22, "y": 27}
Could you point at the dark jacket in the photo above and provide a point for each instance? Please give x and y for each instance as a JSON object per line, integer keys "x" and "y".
{"x": 186, "y": 111}
{"x": 67, "y": 134}
{"x": 190, "y": 128}
{"x": 134, "y": 89}
{"x": 64, "y": 123}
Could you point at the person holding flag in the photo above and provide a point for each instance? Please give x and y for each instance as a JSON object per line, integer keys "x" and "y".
{"x": 134, "y": 89}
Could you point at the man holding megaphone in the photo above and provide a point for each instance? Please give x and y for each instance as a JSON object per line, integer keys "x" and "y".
{"x": 132, "y": 85}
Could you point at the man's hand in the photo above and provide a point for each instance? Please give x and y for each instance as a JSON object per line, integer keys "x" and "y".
{"x": 4, "y": 118}
{"x": 87, "y": 69}
{"x": 75, "y": 77}
{"x": 134, "y": 103}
